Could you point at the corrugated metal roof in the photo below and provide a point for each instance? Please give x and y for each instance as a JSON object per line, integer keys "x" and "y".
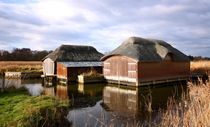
{"x": 82, "y": 64}
{"x": 147, "y": 50}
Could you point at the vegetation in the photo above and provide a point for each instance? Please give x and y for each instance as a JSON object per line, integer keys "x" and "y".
{"x": 20, "y": 109}
{"x": 22, "y": 66}
{"x": 198, "y": 58}
{"x": 200, "y": 66}
{"x": 92, "y": 73}
{"x": 192, "y": 111}
{"x": 24, "y": 54}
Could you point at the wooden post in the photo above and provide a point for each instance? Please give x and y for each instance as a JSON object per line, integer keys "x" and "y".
{"x": 3, "y": 82}
{"x": 43, "y": 82}
{"x": 54, "y": 81}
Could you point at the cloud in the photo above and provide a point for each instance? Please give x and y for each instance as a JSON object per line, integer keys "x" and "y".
{"x": 46, "y": 24}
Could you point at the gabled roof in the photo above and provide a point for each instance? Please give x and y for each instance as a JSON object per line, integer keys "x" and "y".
{"x": 147, "y": 50}
{"x": 74, "y": 53}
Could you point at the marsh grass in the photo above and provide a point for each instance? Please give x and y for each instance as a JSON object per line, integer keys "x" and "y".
{"x": 192, "y": 111}
{"x": 200, "y": 66}
{"x": 17, "y": 108}
{"x": 22, "y": 66}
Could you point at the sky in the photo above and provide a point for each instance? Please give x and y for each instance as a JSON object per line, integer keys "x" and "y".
{"x": 104, "y": 24}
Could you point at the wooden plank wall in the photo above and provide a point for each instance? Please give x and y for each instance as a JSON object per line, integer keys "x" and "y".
{"x": 120, "y": 67}
{"x": 48, "y": 67}
{"x": 164, "y": 69}
{"x": 61, "y": 71}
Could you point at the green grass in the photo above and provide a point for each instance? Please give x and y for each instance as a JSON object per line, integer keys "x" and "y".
{"x": 17, "y": 108}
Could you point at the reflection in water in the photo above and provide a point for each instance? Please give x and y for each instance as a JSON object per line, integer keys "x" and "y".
{"x": 62, "y": 92}
{"x": 122, "y": 106}
{"x": 35, "y": 89}
{"x": 11, "y": 83}
{"x": 105, "y": 105}
{"x": 49, "y": 91}
{"x": 121, "y": 100}
{"x": 89, "y": 116}
{"x": 142, "y": 103}
{"x": 91, "y": 89}
{"x": 80, "y": 95}
{"x": 18, "y": 83}
{"x": 33, "y": 86}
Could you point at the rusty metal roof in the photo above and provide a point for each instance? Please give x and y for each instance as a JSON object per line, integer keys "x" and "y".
{"x": 147, "y": 50}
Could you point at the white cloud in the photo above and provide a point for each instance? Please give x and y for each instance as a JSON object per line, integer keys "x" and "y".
{"x": 45, "y": 24}
{"x": 52, "y": 10}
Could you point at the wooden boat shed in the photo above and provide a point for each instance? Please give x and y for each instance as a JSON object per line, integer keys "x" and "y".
{"x": 138, "y": 61}
{"x": 68, "y": 61}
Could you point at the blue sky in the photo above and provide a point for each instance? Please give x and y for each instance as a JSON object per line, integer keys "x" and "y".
{"x": 104, "y": 24}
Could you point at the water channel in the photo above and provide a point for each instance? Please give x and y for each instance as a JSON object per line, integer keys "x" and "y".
{"x": 106, "y": 104}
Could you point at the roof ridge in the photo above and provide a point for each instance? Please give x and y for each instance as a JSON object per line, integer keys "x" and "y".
{"x": 75, "y": 53}
{"x": 143, "y": 49}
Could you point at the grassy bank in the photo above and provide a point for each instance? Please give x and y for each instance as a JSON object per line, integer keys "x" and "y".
{"x": 191, "y": 111}
{"x": 17, "y": 108}
{"x": 22, "y": 66}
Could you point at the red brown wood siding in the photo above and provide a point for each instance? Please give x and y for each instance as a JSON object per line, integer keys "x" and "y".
{"x": 161, "y": 70}
{"x": 120, "y": 66}
{"x": 61, "y": 71}
{"x": 71, "y": 73}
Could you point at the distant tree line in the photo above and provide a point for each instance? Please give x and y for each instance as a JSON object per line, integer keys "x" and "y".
{"x": 197, "y": 58}
{"x": 26, "y": 54}
{"x": 23, "y": 54}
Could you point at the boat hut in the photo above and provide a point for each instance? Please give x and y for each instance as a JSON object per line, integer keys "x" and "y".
{"x": 68, "y": 61}
{"x": 138, "y": 61}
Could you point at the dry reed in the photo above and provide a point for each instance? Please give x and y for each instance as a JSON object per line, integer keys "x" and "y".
{"x": 92, "y": 73}
{"x": 200, "y": 66}
{"x": 192, "y": 111}
{"x": 23, "y": 66}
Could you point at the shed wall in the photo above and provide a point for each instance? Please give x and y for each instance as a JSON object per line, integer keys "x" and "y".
{"x": 61, "y": 71}
{"x": 71, "y": 73}
{"x": 48, "y": 67}
{"x": 120, "y": 68}
{"x": 162, "y": 70}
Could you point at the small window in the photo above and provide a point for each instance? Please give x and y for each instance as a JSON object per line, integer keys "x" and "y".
{"x": 169, "y": 57}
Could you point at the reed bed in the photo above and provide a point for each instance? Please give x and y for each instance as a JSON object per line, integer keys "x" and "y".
{"x": 200, "y": 66}
{"x": 192, "y": 111}
{"x": 23, "y": 66}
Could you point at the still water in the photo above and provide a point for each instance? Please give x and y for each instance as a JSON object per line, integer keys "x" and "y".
{"x": 106, "y": 104}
